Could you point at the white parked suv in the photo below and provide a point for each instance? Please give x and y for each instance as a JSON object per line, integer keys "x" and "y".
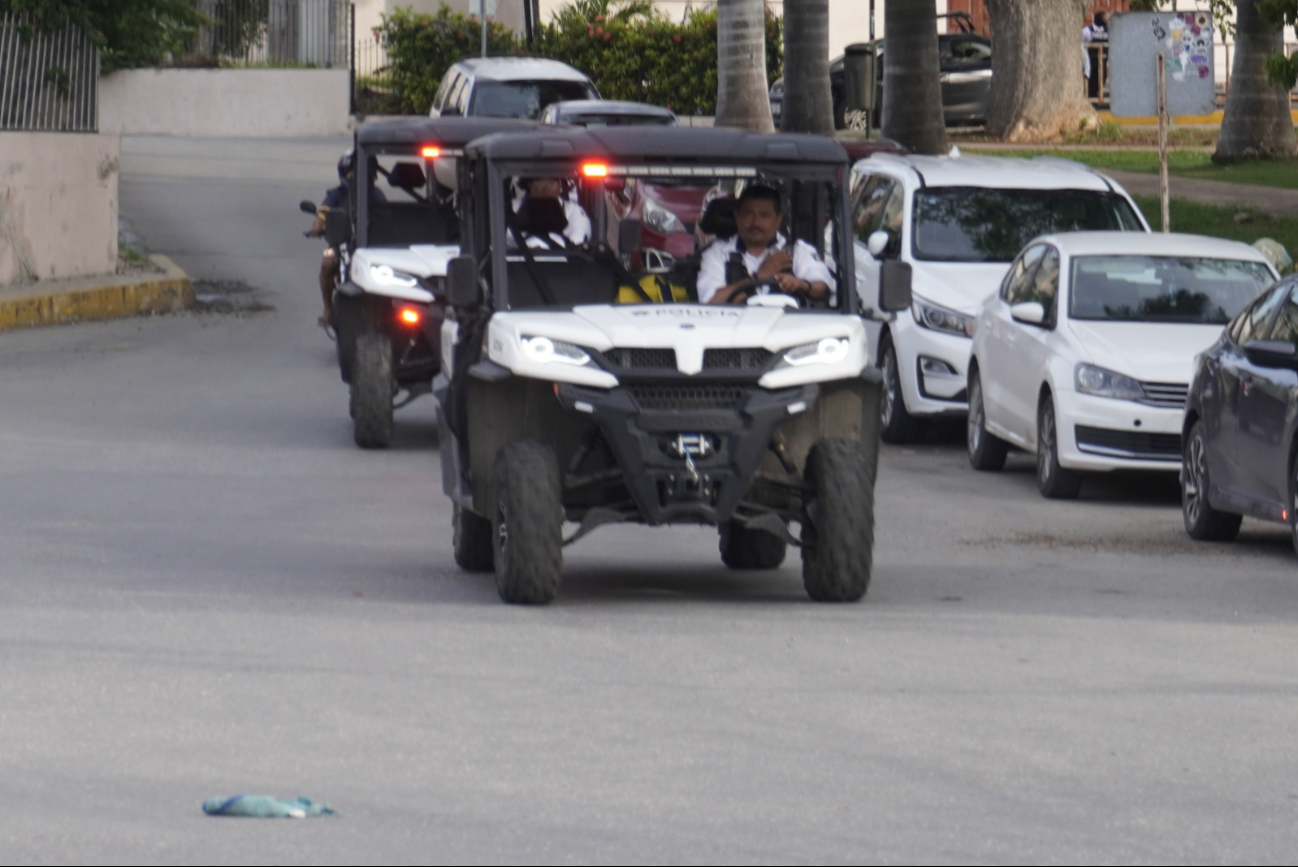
{"x": 958, "y": 221}
{"x": 1086, "y": 353}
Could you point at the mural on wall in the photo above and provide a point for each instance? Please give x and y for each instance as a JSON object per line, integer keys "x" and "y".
{"x": 1186, "y": 41}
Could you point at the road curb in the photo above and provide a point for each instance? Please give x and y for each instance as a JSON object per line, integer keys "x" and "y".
{"x": 113, "y": 296}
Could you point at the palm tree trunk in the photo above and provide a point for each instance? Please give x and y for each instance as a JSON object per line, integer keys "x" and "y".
{"x": 912, "y": 94}
{"x": 1257, "y": 121}
{"x": 808, "y": 103}
{"x": 1037, "y": 90}
{"x": 742, "y": 92}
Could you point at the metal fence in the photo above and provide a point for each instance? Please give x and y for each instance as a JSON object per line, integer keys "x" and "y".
{"x": 276, "y": 32}
{"x": 49, "y": 82}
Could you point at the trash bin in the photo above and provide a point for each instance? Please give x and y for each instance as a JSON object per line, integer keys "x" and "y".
{"x": 860, "y": 85}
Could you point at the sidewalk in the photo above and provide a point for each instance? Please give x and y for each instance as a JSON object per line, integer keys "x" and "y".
{"x": 112, "y": 296}
{"x": 1270, "y": 200}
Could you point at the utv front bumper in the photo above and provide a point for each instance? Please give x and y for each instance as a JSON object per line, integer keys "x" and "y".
{"x": 685, "y": 452}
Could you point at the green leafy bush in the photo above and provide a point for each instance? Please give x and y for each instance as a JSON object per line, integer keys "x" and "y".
{"x": 628, "y": 49}
{"x": 422, "y": 47}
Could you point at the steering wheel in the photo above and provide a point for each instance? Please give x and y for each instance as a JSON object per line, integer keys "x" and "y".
{"x": 750, "y": 288}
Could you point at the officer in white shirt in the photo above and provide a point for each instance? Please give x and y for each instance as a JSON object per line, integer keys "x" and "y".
{"x": 765, "y": 255}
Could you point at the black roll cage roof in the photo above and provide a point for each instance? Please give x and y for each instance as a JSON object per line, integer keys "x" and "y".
{"x": 793, "y": 155}
{"x": 404, "y": 135}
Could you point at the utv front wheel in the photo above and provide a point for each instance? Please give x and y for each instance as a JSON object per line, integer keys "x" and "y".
{"x": 473, "y": 541}
{"x": 838, "y": 524}
{"x": 528, "y": 527}
{"x": 371, "y": 391}
{"x": 742, "y": 548}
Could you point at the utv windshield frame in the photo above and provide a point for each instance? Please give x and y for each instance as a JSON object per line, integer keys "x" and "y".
{"x": 492, "y": 163}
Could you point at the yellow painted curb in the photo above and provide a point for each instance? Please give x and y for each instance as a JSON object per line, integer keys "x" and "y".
{"x": 113, "y": 296}
{"x": 1183, "y": 119}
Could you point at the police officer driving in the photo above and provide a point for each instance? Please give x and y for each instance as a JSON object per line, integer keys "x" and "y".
{"x": 760, "y": 259}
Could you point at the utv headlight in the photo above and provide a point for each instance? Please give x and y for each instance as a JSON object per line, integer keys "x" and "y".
{"x": 385, "y": 275}
{"x": 1100, "y": 382}
{"x": 828, "y": 350}
{"x": 939, "y": 318}
{"x": 660, "y": 219}
{"x": 544, "y": 350}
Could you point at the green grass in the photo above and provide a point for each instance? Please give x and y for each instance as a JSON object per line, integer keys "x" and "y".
{"x": 1282, "y": 173}
{"x": 1220, "y": 222}
{"x": 129, "y": 253}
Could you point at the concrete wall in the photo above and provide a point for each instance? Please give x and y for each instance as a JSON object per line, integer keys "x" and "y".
{"x": 256, "y": 103}
{"x": 58, "y": 205}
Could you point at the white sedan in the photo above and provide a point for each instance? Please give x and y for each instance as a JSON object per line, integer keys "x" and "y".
{"x": 1085, "y": 354}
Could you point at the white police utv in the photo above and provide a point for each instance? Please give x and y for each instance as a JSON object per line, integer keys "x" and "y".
{"x": 565, "y": 406}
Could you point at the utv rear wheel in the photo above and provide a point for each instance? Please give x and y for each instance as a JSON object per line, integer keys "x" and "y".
{"x": 1054, "y": 482}
{"x": 528, "y": 527}
{"x": 742, "y": 548}
{"x": 986, "y": 451}
{"x": 473, "y": 541}
{"x": 371, "y": 391}
{"x": 838, "y": 524}
{"x": 1202, "y": 521}
{"x": 896, "y": 425}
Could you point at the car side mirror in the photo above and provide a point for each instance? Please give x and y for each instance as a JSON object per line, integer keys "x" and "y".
{"x": 462, "y": 288}
{"x": 1029, "y": 313}
{"x": 337, "y": 227}
{"x": 307, "y": 206}
{"x": 877, "y": 243}
{"x": 1272, "y": 353}
{"x": 630, "y": 236}
{"x": 895, "y": 279}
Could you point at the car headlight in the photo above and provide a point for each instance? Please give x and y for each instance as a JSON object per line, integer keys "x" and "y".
{"x": 1100, "y": 382}
{"x": 939, "y": 318}
{"x": 385, "y": 275}
{"x": 544, "y": 350}
{"x": 828, "y": 350}
{"x": 660, "y": 219}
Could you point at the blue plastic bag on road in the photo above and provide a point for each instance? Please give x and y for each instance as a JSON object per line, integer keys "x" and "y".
{"x": 265, "y": 807}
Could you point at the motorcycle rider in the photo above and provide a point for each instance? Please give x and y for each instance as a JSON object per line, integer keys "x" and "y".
{"x": 335, "y": 197}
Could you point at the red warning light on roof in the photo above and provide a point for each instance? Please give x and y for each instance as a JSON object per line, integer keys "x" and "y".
{"x": 595, "y": 170}
{"x": 431, "y": 152}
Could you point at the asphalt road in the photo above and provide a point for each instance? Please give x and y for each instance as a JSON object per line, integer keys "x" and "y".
{"x": 206, "y": 589}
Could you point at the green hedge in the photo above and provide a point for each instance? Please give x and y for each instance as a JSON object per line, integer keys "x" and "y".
{"x": 629, "y": 50}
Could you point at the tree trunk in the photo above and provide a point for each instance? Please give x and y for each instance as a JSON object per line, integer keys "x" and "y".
{"x": 743, "y": 97}
{"x": 808, "y": 103}
{"x": 912, "y": 93}
{"x": 1257, "y": 121}
{"x": 1037, "y": 90}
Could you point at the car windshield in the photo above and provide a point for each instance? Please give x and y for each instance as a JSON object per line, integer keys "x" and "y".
{"x": 404, "y": 204}
{"x": 979, "y": 224}
{"x": 597, "y": 120}
{"x": 525, "y": 99}
{"x": 1163, "y": 288}
{"x": 577, "y": 235}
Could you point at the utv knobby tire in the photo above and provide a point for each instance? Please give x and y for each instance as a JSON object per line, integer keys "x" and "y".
{"x": 528, "y": 525}
{"x": 838, "y": 524}
{"x": 371, "y": 391}
{"x": 742, "y": 548}
{"x": 473, "y": 538}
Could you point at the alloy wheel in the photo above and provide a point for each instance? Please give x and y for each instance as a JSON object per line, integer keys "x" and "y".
{"x": 974, "y": 432}
{"x": 1046, "y": 446}
{"x": 890, "y": 397}
{"x": 1194, "y": 472}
